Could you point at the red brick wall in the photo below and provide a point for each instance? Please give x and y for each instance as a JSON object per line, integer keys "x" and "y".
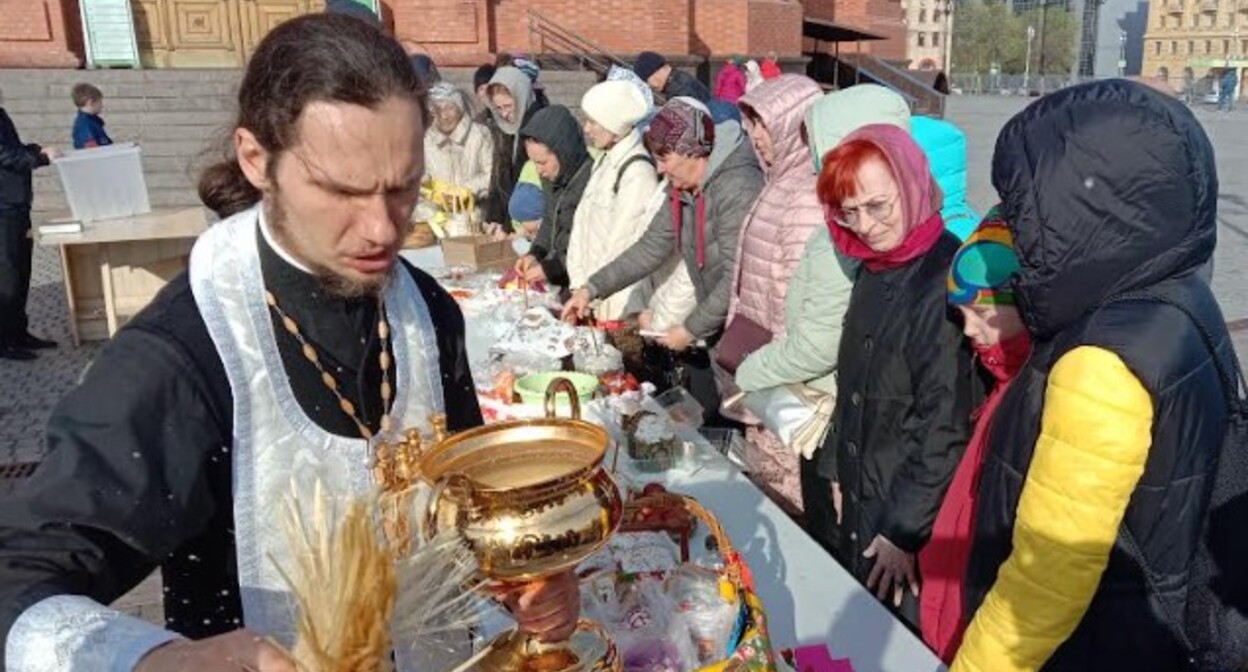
{"x": 821, "y": 9}
{"x": 621, "y": 27}
{"x": 442, "y": 26}
{"x": 775, "y": 25}
{"x": 37, "y": 33}
{"x": 887, "y": 19}
{"x": 878, "y": 17}
{"x": 720, "y": 27}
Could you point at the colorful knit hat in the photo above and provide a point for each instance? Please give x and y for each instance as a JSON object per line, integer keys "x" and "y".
{"x": 981, "y": 270}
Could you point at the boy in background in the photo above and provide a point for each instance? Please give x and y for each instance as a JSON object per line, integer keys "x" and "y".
{"x": 88, "y": 125}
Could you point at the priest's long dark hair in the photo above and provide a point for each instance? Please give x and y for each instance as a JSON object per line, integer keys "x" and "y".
{"x": 317, "y": 57}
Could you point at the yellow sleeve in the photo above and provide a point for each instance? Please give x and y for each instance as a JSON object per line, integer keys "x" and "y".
{"x": 1095, "y": 435}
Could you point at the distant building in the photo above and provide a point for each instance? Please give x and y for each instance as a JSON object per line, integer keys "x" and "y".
{"x": 1190, "y": 43}
{"x": 1120, "y": 38}
{"x": 223, "y": 33}
{"x": 929, "y": 23}
{"x": 1088, "y": 16}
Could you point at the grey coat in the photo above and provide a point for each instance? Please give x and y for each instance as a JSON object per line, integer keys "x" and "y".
{"x": 729, "y": 189}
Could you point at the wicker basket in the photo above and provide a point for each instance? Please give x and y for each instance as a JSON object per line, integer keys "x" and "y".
{"x": 753, "y": 652}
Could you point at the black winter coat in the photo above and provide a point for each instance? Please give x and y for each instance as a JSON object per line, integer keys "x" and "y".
{"x": 556, "y": 128}
{"x": 17, "y": 160}
{"x": 905, "y": 392}
{"x": 1111, "y": 188}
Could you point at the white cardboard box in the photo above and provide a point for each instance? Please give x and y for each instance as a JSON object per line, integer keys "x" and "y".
{"x": 104, "y": 182}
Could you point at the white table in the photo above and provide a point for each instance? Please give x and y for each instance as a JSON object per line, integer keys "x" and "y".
{"x": 808, "y": 596}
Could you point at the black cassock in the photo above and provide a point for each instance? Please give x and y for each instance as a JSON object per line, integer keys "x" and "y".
{"x": 138, "y": 472}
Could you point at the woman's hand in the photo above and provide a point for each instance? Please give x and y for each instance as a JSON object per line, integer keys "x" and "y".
{"x": 645, "y": 320}
{"x": 577, "y": 307}
{"x": 530, "y": 268}
{"x": 893, "y": 570}
{"x": 678, "y": 339}
{"x": 836, "y": 500}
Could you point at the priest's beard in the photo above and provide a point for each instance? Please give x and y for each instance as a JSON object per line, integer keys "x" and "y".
{"x": 332, "y": 283}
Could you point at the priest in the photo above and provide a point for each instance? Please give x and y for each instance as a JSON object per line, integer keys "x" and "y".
{"x": 296, "y": 343}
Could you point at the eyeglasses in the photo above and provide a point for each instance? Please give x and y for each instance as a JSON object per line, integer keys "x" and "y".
{"x": 878, "y": 210}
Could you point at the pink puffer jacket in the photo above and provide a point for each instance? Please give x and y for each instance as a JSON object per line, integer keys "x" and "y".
{"x": 787, "y": 211}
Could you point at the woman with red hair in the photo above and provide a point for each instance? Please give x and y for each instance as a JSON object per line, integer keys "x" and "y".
{"x": 904, "y": 391}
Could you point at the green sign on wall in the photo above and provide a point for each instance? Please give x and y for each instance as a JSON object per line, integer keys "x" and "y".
{"x": 108, "y": 31}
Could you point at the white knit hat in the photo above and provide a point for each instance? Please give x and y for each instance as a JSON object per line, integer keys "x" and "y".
{"x": 616, "y": 105}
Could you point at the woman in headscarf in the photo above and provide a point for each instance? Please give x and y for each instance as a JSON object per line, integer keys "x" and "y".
{"x": 556, "y": 147}
{"x": 458, "y": 150}
{"x": 904, "y": 387}
{"x": 714, "y": 180}
{"x": 512, "y": 105}
{"x": 773, "y": 238}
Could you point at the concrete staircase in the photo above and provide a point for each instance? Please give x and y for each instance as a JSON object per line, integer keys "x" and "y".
{"x": 180, "y": 118}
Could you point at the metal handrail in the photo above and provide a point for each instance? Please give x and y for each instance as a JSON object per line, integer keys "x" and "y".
{"x": 921, "y": 96}
{"x": 585, "y": 50}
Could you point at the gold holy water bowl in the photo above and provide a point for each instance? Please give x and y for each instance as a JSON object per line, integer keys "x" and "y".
{"x": 531, "y": 499}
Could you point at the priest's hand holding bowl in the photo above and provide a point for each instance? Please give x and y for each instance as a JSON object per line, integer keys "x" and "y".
{"x": 548, "y": 609}
{"x": 232, "y": 652}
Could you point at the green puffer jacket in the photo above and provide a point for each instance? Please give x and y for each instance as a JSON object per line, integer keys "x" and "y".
{"x": 814, "y": 311}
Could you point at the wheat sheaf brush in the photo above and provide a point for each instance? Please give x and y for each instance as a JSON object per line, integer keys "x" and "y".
{"x": 346, "y": 580}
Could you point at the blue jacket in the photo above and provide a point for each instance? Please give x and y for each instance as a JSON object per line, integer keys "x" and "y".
{"x": 89, "y": 131}
{"x": 945, "y": 147}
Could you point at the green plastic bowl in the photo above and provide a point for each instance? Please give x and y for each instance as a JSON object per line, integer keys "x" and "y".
{"x": 532, "y": 388}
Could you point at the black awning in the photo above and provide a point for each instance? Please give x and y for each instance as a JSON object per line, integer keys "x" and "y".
{"x": 828, "y": 31}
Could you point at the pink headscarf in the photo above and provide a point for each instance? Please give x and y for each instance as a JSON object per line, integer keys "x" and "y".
{"x": 920, "y": 200}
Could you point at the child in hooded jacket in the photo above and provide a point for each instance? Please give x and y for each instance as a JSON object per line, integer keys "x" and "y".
{"x": 979, "y": 287}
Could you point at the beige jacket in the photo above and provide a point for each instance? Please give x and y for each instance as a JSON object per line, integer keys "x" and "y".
{"x": 464, "y": 158}
{"x": 608, "y": 222}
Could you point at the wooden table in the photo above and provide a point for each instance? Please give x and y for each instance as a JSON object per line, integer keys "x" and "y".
{"x": 113, "y": 268}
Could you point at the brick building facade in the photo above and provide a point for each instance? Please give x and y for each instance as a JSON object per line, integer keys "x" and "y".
{"x": 884, "y": 19}
{"x": 40, "y": 34}
{"x": 177, "y": 33}
{"x": 1190, "y": 44}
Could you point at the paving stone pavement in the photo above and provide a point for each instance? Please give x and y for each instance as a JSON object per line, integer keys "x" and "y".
{"x": 29, "y": 390}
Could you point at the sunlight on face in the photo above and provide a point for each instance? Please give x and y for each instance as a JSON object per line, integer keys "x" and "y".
{"x": 341, "y": 197}
{"x": 504, "y": 104}
{"x": 987, "y": 326}
{"x": 598, "y": 136}
{"x": 659, "y": 79}
{"x": 875, "y": 213}
{"x": 684, "y": 172}
{"x": 546, "y": 162}
{"x": 760, "y": 137}
{"x": 446, "y": 117}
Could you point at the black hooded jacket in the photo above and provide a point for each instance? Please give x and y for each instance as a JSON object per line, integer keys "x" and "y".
{"x": 1109, "y": 188}
{"x": 556, "y": 128}
{"x": 17, "y": 160}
